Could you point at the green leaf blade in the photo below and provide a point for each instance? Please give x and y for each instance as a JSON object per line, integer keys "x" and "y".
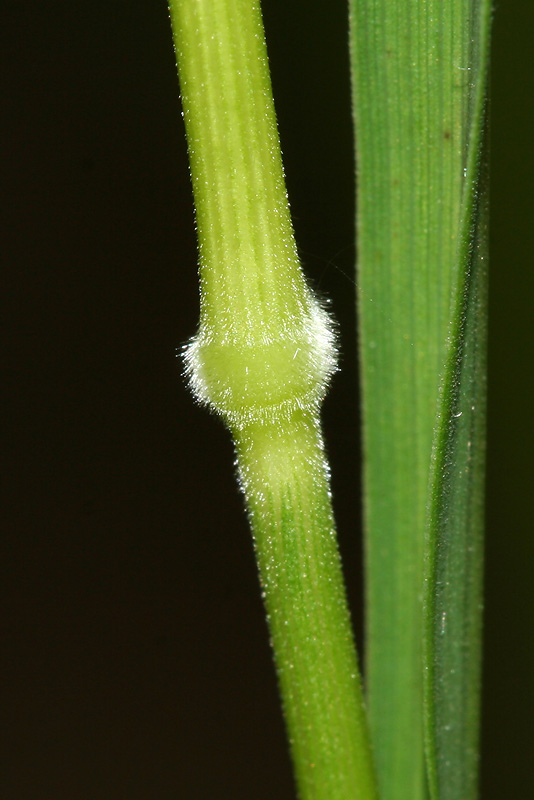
{"x": 416, "y": 76}
{"x": 456, "y": 520}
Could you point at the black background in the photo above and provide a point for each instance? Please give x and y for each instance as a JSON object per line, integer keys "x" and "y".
{"x": 135, "y": 656}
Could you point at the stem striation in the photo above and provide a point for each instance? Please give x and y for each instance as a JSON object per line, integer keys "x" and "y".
{"x": 262, "y": 359}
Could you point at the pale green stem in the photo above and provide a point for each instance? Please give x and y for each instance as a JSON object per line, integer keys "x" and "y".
{"x": 262, "y": 358}
{"x": 285, "y": 480}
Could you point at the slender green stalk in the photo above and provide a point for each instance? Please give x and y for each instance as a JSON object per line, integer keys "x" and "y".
{"x": 262, "y": 358}
{"x": 417, "y": 73}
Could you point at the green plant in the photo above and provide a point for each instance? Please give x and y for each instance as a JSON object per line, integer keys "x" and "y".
{"x": 419, "y": 95}
{"x": 264, "y": 353}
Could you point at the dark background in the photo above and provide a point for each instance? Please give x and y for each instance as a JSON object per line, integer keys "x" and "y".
{"x": 135, "y": 656}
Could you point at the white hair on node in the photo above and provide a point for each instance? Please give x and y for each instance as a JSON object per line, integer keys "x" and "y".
{"x": 248, "y": 375}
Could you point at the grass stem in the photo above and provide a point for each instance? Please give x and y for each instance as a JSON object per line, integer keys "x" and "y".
{"x": 262, "y": 358}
